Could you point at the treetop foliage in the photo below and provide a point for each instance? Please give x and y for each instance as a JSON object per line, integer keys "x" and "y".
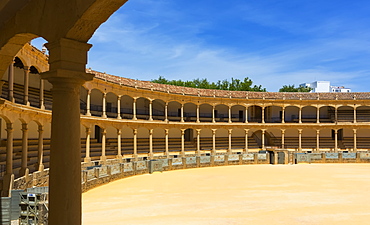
{"x": 234, "y": 85}
{"x": 291, "y": 88}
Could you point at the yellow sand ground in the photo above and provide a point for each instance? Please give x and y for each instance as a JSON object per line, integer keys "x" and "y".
{"x": 250, "y": 194}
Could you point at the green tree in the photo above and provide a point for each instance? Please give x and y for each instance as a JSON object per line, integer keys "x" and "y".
{"x": 291, "y": 88}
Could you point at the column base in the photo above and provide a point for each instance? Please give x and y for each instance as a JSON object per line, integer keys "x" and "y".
{"x": 8, "y": 182}
{"x": 24, "y": 172}
{"x": 104, "y": 116}
{"x": 103, "y": 158}
{"x": 119, "y": 118}
{"x": 42, "y": 107}
{"x": 135, "y": 156}
{"x": 41, "y": 167}
{"x": 88, "y": 114}
{"x": 87, "y": 159}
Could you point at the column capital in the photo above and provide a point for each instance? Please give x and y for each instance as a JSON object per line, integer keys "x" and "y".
{"x": 103, "y": 131}
{"x": 183, "y": 131}
{"x": 318, "y": 131}
{"x": 263, "y": 130}
{"x": 119, "y": 131}
{"x": 88, "y": 130}
{"x": 40, "y": 128}
{"x": 61, "y": 76}
{"x": 300, "y": 131}
{"x": 26, "y": 68}
{"x": 198, "y": 130}
{"x": 150, "y": 131}
{"x": 9, "y": 126}
{"x": 282, "y": 131}
{"x": 166, "y": 131}
{"x": 214, "y": 131}
{"x": 24, "y": 127}
{"x": 354, "y": 131}
{"x": 246, "y": 130}
{"x": 135, "y": 131}
{"x": 230, "y": 131}
{"x": 119, "y": 97}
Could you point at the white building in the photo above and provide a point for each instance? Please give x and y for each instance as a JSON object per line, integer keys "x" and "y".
{"x": 324, "y": 86}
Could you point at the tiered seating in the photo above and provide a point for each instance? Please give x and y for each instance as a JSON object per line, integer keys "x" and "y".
{"x": 306, "y": 142}
{"x": 362, "y": 142}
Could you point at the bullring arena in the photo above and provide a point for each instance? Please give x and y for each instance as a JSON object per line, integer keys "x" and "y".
{"x": 77, "y": 130}
{"x": 131, "y": 127}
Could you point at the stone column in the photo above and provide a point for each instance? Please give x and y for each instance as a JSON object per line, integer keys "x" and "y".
{"x": 87, "y": 158}
{"x": 67, "y": 73}
{"x": 104, "y": 115}
{"x": 166, "y": 142}
{"x": 318, "y": 115}
{"x": 182, "y": 113}
{"x": 300, "y": 140}
{"x": 354, "y": 115}
{"x": 134, "y": 109}
{"x": 198, "y": 120}
{"x": 8, "y": 178}
{"x": 246, "y": 114}
{"x": 336, "y": 114}
{"x": 230, "y": 136}
{"x": 135, "y": 143}
{"x": 214, "y": 141}
{"x": 283, "y": 138}
{"x": 119, "y": 107}
{"x": 40, "y": 152}
{"x": 213, "y": 114}
{"x": 150, "y": 110}
{"x": 300, "y": 115}
{"x": 263, "y": 138}
{"x": 88, "y": 113}
{"x": 335, "y": 140}
{"x": 246, "y": 140}
{"x": 24, "y": 170}
{"x": 42, "y": 102}
{"x": 103, "y": 144}
{"x": 355, "y": 140}
{"x": 198, "y": 141}
{"x": 166, "y": 112}
{"x": 183, "y": 142}
{"x": 26, "y": 84}
{"x": 11, "y": 82}
{"x": 119, "y": 145}
{"x": 283, "y": 115}
{"x": 230, "y": 114}
{"x": 151, "y": 143}
{"x": 317, "y": 140}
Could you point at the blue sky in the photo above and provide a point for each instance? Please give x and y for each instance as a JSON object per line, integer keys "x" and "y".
{"x": 272, "y": 42}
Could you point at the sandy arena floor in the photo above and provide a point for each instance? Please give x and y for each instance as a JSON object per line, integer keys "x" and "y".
{"x": 250, "y": 194}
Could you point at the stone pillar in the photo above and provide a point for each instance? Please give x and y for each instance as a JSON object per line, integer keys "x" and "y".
{"x": 299, "y": 140}
{"x": 88, "y": 113}
{"x": 283, "y": 138}
{"x": 300, "y": 115}
{"x": 8, "y": 178}
{"x": 42, "y": 102}
{"x": 104, "y": 115}
{"x": 213, "y": 114}
{"x": 214, "y": 141}
{"x": 335, "y": 140}
{"x": 318, "y": 115}
{"x": 230, "y": 114}
{"x": 336, "y": 114}
{"x": 24, "y": 170}
{"x": 230, "y": 136}
{"x": 183, "y": 142}
{"x": 11, "y": 82}
{"x": 134, "y": 109}
{"x": 246, "y": 140}
{"x": 151, "y": 143}
{"x": 283, "y": 115}
{"x": 355, "y": 140}
{"x": 246, "y": 114}
{"x": 26, "y": 84}
{"x": 67, "y": 73}
{"x": 263, "y": 114}
{"x": 198, "y": 141}
{"x": 150, "y": 110}
{"x": 182, "y": 113}
{"x": 119, "y": 145}
{"x": 166, "y": 112}
{"x": 354, "y": 115}
{"x": 87, "y": 155}
{"x": 317, "y": 140}
{"x": 40, "y": 152}
{"x": 263, "y": 138}
{"x": 166, "y": 143}
{"x": 135, "y": 143}
{"x": 103, "y": 144}
{"x": 119, "y": 107}
{"x": 198, "y": 120}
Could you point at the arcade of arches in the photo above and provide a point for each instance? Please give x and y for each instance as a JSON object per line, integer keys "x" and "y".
{"x": 49, "y": 120}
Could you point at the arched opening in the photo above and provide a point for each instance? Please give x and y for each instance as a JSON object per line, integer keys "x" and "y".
{"x": 158, "y": 109}
{"x": 363, "y": 114}
{"x": 127, "y": 107}
{"x": 143, "y": 142}
{"x": 127, "y": 142}
{"x": 291, "y": 114}
{"x": 327, "y": 114}
{"x": 159, "y": 142}
{"x": 174, "y": 111}
{"x": 205, "y": 113}
{"x": 273, "y": 114}
{"x": 255, "y": 114}
{"x": 174, "y": 141}
{"x": 142, "y": 108}
{"x": 309, "y": 114}
{"x": 190, "y": 112}
{"x": 345, "y": 114}
{"x": 111, "y": 105}
{"x": 237, "y": 113}
{"x": 96, "y": 105}
{"x": 222, "y": 113}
